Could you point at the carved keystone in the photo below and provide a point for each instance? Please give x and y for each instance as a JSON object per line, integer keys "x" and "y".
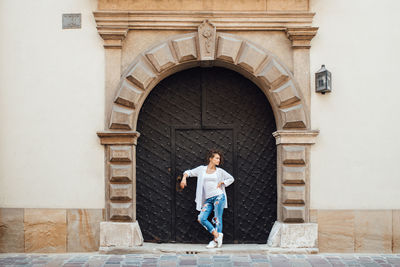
{"x": 141, "y": 75}
{"x": 120, "y": 173}
{"x": 121, "y": 118}
{"x": 294, "y": 117}
{"x": 294, "y": 154}
{"x": 293, "y": 213}
{"x": 251, "y": 57}
{"x": 161, "y": 57}
{"x": 228, "y": 48}
{"x": 286, "y": 94}
{"x": 206, "y": 34}
{"x": 121, "y": 191}
{"x": 296, "y": 175}
{"x": 121, "y": 211}
{"x": 293, "y": 194}
{"x": 185, "y": 48}
{"x": 120, "y": 154}
{"x": 273, "y": 73}
{"x": 128, "y": 95}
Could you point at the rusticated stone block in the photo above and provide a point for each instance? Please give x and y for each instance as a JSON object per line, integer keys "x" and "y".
{"x": 185, "y": 48}
{"x": 120, "y": 191}
{"x": 121, "y": 118}
{"x": 228, "y": 48}
{"x": 251, "y": 57}
{"x": 120, "y": 154}
{"x": 294, "y": 117}
{"x": 120, "y": 173}
{"x": 141, "y": 75}
{"x": 336, "y": 230}
{"x": 286, "y": 94}
{"x": 293, "y": 194}
{"x": 272, "y": 73}
{"x": 120, "y": 235}
{"x": 373, "y": 231}
{"x": 45, "y": 230}
{"x": 128, "y": 95}
{"x": 293, "y": 213}
{"x": 295, "y": 175}
{"x": 293, "y": 154}
{"x": 121, "y": 211}
{"x": 161, "y": 57}
{"x": 11, "y": 230}
{"x": 84, "y": 229}
{"x": 396, "y": 231}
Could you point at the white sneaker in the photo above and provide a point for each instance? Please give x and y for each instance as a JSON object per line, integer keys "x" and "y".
{"x": 219, "y": 239}
{"x": 212, "y": 244}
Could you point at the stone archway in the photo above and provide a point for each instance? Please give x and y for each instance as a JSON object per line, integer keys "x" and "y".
{"x": 207, "y": 47}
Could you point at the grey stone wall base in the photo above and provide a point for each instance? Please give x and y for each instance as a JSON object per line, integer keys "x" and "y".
{"x": 120, "y": 235}
{"x": 293, "y": 235}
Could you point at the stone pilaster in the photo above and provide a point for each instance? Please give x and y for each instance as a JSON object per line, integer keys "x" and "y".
{"x": 113, "y": 39}
{"x": 301, "y": 42}
{"x": 120, "y": 162}
{"x": 293, "y": 174}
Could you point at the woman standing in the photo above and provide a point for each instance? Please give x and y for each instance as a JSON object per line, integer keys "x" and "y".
{"x": 211, "y": 194}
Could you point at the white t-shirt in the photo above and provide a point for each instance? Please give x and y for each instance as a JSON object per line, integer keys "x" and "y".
{"x": 210, "y": 185}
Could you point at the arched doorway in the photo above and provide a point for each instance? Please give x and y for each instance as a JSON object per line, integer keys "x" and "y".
{"x": 186, "y": 114}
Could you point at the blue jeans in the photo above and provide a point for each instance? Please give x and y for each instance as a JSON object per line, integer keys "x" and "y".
{"x": 218, "y": 202}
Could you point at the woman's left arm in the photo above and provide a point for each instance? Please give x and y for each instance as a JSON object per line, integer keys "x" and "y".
{"x": 227, "y": 178}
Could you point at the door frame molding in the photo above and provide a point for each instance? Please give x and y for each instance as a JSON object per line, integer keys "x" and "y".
{"x": 204, "y": 48}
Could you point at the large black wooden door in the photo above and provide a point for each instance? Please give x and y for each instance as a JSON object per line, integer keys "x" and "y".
{"x": 185, "y": 115}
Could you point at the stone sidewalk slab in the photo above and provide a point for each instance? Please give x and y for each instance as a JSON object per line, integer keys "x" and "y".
{"x": 211, "y": 260}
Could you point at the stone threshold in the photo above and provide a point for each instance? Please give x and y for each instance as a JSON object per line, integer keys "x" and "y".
{"x": 181, "y": 248}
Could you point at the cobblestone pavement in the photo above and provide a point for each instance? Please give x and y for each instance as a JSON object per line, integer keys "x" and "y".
{"x": 95, "y": 259}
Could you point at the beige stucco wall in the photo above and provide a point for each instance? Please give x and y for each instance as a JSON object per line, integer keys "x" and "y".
{"x": 355, "y": 161}
{"x": 51, "y": 105}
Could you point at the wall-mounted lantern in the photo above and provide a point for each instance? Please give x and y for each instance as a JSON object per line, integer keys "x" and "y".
{"x": 323, "y": 82}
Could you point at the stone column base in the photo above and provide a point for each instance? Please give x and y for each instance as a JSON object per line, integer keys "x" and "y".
{"x": 119, "y": 235}
{"x": 293, "y": 235}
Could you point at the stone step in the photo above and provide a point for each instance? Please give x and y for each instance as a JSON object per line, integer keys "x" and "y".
{"x": 181, "y": 248}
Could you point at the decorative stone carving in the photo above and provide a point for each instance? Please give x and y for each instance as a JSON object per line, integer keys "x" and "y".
{"x": 251, "y": 57}
{"x": 120, "y": 173}
{"x": 295, "y": 175}
{"x": 273, "y": 73}
{"x": 121, "y": 191}
{"x": 293, "y": 194}
{"x": 113, "y": 37}
{"x": 293, "y": 213}
{"x": 185, "y": 48}
{"x": 121, "y": 211}
{"x": 141, "y": 75}
{"x": 161, "y": 57}
{"x": 128, "y": 95}
{"x": 120, "y": 154}
{"x": 286, "y": 94}
{"x": 294, "y": 117}
{"x": 206, "y": 36}
{"x": 293, "y": 154}
{"x": 228, "y": 48}
{"x": 121, "y": 118}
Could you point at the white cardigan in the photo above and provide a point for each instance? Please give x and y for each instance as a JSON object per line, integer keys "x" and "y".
{"x": 222, "y": 176}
